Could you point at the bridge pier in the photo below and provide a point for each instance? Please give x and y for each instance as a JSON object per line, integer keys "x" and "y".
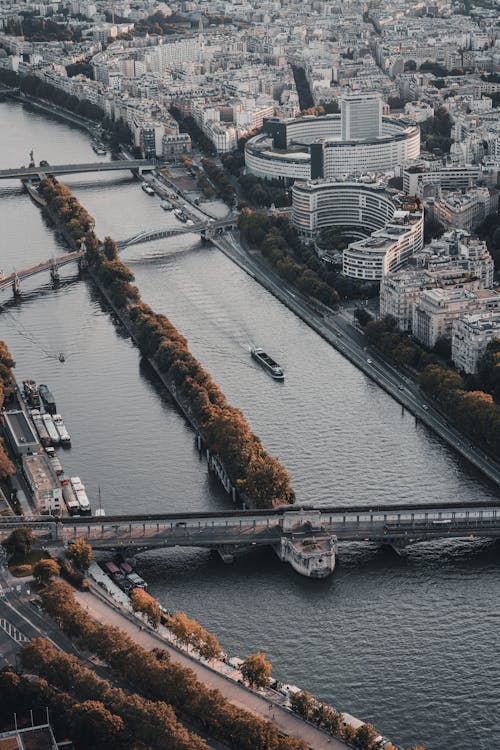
{"x": 398, "y": 546}
{"x": 226, "y": 553}
{"x": 313, "y": 556}
{"x": 54, "y": 274}
{"x": 16, "y": 286}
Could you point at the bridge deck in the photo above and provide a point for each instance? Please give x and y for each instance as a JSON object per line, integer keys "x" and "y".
{"x": 58, "y": 262}
{"x": 246, "y": 528}
{"x": 106, "y": 166}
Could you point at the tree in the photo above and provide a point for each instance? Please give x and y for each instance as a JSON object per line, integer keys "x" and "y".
{"x": 365, "y": 737}
{"x": 362, "y": 316}
{"x": 45, "y": 570}
{"x": 303, "y": 704}
{"x": 6, "y": 465}
{"x": 19, "y": 542}
{"x": 433, "y": 229}
{"x": 256, "y": 670}
{"x": 93, "y": 726}
{"x": 143, "y": 602}
{"x": 81, "y": 553}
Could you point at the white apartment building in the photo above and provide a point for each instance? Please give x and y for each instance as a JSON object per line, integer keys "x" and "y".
{"x": 175, "y": 145}
{"x": 420, "y": 179}
{"x": 361, "y": 116}
{"x": 471, "y": 334}
{"x": 437, "y": 309}
{"x": 465, "y": 210}
{"x": 419, "y": 111}
{"x": 400, "y": 292}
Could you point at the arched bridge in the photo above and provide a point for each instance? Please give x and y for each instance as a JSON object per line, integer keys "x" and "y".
{"x": 52, "y": 264}
{"x": 205, "y": 228}
{"x": 305, "y": 537}
{"x": 23, "y": 173}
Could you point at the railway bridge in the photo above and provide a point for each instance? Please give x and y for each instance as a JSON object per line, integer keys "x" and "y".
{"x": 305, "y": 537}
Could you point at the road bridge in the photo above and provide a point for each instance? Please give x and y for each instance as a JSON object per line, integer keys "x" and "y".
{"x": 205, "y": 228}
{"x": 304, "y": 537}
{"x": 24, "y": 173}
{"x": 53, "y": 265}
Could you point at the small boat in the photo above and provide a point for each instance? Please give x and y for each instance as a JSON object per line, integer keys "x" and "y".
{"x": 147, "y": 188}
{"x": 51, "y": 429}
{"x": 81, "y": 495}
{"x": 267, "y": 363}
{"x": 166, "y": 205}
{"x": 64, "y": 435}
{"x": 179, "y": 214}
{"x": 99, "y": 148}
{"x": 31, "y": 395}
{"x": 70, "y": 497}
{"x": 61, "y": 357}
{"x": 54, "y": 461}
{"x": 47, "y": 398}
{"x": 40, "y": 427}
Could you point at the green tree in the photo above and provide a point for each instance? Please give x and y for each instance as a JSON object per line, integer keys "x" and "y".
{"x": 19, "y": 542}
{"x": 45, "y": 570}
{"x": 256, "y": 670}
{"x": 81, "y": 554}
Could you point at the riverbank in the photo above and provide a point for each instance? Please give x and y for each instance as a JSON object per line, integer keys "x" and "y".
{"x": 108, "y": 613}
{"x": 351, "y": 344}
{"x": 55, "y": 111}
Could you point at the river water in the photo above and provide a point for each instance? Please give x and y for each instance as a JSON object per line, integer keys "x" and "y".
{"x": 410, "y": 644}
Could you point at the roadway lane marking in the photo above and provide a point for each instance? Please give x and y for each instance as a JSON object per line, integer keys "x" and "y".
{"x": 12, "y": 631}
{"x": 31, "y": 624}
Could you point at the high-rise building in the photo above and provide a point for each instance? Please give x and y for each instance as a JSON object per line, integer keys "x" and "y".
{"x": 361, "y": 116}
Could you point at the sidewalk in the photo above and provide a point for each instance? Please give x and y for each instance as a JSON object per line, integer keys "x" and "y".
{"x": 235, "y": 693}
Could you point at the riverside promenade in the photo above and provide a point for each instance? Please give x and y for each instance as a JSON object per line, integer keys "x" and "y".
{"x": 237, "y": 694}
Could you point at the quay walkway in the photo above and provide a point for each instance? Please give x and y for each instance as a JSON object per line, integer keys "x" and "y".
{"x": 239, "y": 695}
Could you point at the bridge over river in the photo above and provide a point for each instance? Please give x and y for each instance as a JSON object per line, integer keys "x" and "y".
{"x": 25, "y": 173}
{"x": 304, "y": 537}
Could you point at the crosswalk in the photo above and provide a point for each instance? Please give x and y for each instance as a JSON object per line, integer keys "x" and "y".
{"x": 12, "y": 631}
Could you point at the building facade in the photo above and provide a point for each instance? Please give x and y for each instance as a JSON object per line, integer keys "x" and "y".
{"x": 306, "y": 148}
{"x": 395, "y": 229}
{"x": 471, "y": 334}
{"x": 437, "y": 309}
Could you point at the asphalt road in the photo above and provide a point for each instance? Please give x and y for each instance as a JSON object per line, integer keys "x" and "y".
{"x": 338, "y": 329}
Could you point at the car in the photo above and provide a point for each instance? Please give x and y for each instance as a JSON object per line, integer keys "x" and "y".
{"x": 401, "y": 388}
{"x": 425, "y": 407}
{"x": 181, "y": 524}
{"x": 369, "y": 361}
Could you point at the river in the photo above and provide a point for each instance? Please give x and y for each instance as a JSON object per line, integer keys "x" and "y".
{"x": 410, "y": 644}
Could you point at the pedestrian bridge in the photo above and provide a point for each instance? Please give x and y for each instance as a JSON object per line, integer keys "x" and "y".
{"x": 13, "y": 280}
{"x": 23, "y": 173}
{"x": 305, "y": 537}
